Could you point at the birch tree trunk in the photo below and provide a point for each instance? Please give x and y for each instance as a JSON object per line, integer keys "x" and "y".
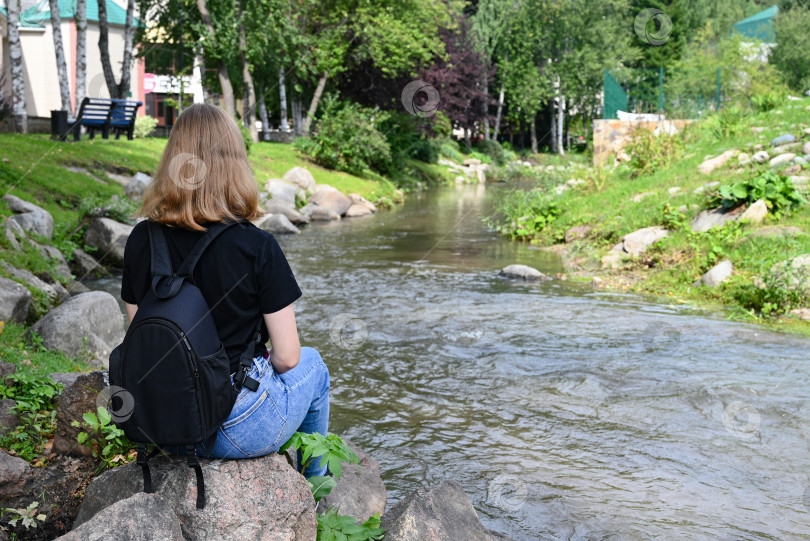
{"x": 313, "y": 105}
{"x": 104, "y": 49}
{"x": 498, "y": 115}
{"x": 228, "y": 100}
{"x": 249, "y": 119}
{"x": 560, "y": 112}
{"x": 296, "y": 114}
{"x": 484, "y": 106}
{"x": 282, "y": 98}
{"x": 552, "y": 145}
{"x": 61, "y": 64}
{"x": 199, "y": 62}
{"x": 129, "y": 34}
{"x": 263, "y": 116}
{"x": 534, "y": 133}
{"x": 17, "y": 74}
{"x": 81, "y": 52}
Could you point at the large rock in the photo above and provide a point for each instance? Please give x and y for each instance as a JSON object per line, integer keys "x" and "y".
{"x": 14, "y": 472}
{"x": 8, "y": 416}
{"x": 300, "y": 177}
{"x": 91, "y": 322}
{"x": 260, "y": 498}
{"x": 55, "y": 291}
{"x": 13, "y": 233}
{"x": 358, "y": 199}
{"x": 277, "y": 223}
{"x": 358, "y": 494}
{"x": 441, "y": 512}
{"x": 141, "y": 517}
{"x": 78, "y": 397}
{"x": 317, "y": 213}
{"x": 709, "y": 219}
{"x": 778, "y": 231}
{"x": 331, "y": 198}
{"x": 137, "y": 186}
{"x": 756, "y": 212}
{"x": 281, "y": 192}
{"x": 357, "y": 210}
{"x": 792, "y": 275}
{"x": 61, "y": 269}
{"x": 710, "y": 165}
{"x": 781, "y": 159}
{"x": 109, "y": 238}
{"x": 638, "y": 241}
{"x": 577, "y": 233}
{"x": 14, "y": 301}
{"x": 806, "y": 149}
{"x": 85, "y": 265}
{"x": 522, "y": 272}
{"x": 760, "y": 157}
{"x": 274, "y": 207}
{"x": 6, "y": 370}
{"x": 30, "y": 217}
{"x": 783, "y": 140}
{"x": 717, "y": 274}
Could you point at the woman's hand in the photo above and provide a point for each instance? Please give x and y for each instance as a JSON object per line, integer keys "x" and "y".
{"x": 286, "y": 350}
{"x": 131, "y": 309}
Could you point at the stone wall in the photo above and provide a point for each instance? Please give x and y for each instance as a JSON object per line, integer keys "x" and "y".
{"x": 611, "y": 136}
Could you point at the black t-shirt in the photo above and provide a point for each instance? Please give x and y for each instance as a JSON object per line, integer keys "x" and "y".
{"x": 242, "y": 274}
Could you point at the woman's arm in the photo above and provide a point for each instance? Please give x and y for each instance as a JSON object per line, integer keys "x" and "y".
{"x": 286, "y": 349}
{"x": 131, "y": 309}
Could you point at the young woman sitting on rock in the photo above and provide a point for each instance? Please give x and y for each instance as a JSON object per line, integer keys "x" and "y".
{"x": 204, "y": 177}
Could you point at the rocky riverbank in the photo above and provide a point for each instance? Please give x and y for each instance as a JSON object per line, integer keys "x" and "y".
{"x": 58, "y": 492}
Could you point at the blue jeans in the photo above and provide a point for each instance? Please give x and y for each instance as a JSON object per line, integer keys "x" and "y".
{"x": 262, "y": 421}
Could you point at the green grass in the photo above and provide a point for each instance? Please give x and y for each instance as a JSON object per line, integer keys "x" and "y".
{"x": 31, "y": 358}
{"x": 670, "y": 268}
{"x": 34, "y": 168}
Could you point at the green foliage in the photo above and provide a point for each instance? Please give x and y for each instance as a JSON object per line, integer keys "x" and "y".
{"x": 650, "y": 152}
{"x": 790, "y": 54}
{"x": 779, "y": 289}
{"x": 117, "y": 208}
{"x": 524, "y": 214}
{"x": 346, "y": 138}
{"x": 28, "y": 517}
{"x": 777, "y": 191}
{"x": 334, "y": 527}
{"x": 769, "y": 99}
{"x": 729, "y": 122}
{"x": 331, "y": 449}
{"x": 106, "y": 440}
{"x": 495, "y": 151}
{"x": 36, "y": 397}
{"x": 245, "y": 137}
{"x": 449, "y": 149}
{"x": 144, "y": 126}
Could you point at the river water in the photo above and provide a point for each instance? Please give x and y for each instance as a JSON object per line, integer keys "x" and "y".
{"x": 565, "y": 413}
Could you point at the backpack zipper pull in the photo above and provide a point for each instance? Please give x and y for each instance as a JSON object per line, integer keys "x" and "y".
{"x": 185, "y": 340}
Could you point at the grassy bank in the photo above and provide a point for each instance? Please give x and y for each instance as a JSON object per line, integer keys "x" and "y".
{"x": 668, "y": 191}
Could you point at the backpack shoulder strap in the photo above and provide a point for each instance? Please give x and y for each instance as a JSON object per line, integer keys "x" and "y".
{"x": 161, "y": 260}
{"x": 187, "y": 268}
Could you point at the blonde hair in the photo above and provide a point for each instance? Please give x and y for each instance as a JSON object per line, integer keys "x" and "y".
{"x": 203, "y": 175}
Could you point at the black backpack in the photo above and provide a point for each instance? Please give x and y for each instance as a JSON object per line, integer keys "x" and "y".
{"x": 174, "y": 365}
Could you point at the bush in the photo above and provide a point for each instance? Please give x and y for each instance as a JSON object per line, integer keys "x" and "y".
{"x": 426, "y": 150}
{"x": 650, "y": 152}
{"x": 346, "y": 138}
{"x": 790, "y": 54}
{"x": 493, "y": 149}
{"x": 245, "y": 136}
{"x": 449, "y": 148}
{"x": 776, "y": 190}
{"x": 144, "y": 126}
{"x": 730, "y": 121}
{"x": 783, "y": 287}
{"x": 524, "y": 214}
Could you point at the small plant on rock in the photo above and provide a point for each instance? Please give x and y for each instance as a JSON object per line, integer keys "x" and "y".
{"x": 28, "y": 517}
{"x": 106, "y": 440}
{"x": 776, "y": 190}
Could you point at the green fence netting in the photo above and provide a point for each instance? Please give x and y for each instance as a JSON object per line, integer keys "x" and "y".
{"x": 615, "y": 97}
{"x": 659, "y": 91}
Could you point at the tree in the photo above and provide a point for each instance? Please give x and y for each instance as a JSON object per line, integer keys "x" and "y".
{"x": 459, "y": 80}
{"x": 61, "y": 65}
{"x": 117, "y": 90}
{"x": 81, "y": 51}
{"x": 249, "y": 119}
{"x": 17, "y": 75}
{"x": 210, "y": 44}
{"x": 790, "y": 54}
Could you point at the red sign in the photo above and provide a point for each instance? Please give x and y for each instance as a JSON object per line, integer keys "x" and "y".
{"x": 149, "y": 82}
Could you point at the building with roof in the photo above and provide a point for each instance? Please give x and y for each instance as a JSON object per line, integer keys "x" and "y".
{"x": 39, "y": 59}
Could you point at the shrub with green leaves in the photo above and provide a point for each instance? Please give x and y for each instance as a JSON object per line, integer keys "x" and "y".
{"x": 522, "y": 215}
{"x": 106, "y": 440}
{"x": 346, "y": 138}
{"x": 334, "y": 527}
{"x": 144, "y": 126}
{"x": 650, "y": 152}
{"x": 36, "y": 397}
{"x": 730, "y": 121}
{"x": 776, "y": 190}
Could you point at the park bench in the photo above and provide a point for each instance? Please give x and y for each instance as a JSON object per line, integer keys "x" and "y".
{"x": 104, "y": 114}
